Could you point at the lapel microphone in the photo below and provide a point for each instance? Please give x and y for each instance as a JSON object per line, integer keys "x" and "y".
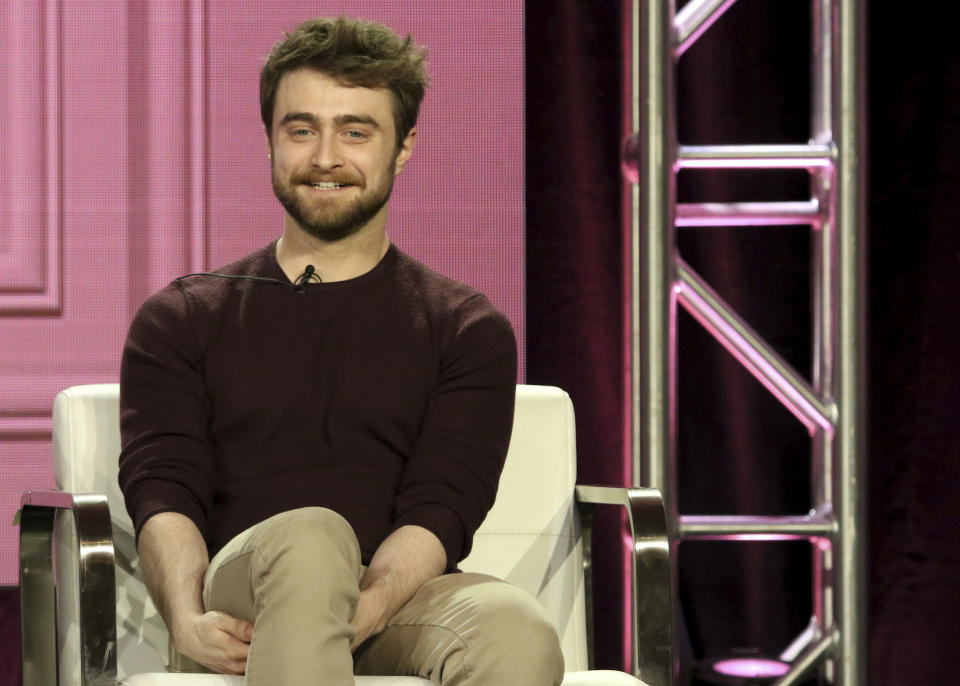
{"x": 309, "y": 273}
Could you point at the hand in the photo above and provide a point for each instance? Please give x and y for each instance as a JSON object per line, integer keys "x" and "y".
{"x": 369, "y": 619}
{"x": 403, "y": 562}
{"x": 217, "y": 641}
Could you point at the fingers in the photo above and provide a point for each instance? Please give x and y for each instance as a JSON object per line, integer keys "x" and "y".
{"x": 222, "y": 642}
{"x": 238, "y": 667}
{"x": 234, "y": 645}
{"x": 231, "y": 646}
{"x": 239, "y": 628}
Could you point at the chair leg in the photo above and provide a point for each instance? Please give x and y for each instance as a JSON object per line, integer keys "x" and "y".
{"x": 97, "y": 584}
{"x": 37, "y": 602}
{"x": 98, "y": 594}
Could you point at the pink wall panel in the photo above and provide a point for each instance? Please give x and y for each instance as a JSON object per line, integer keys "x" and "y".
{"x": 132, "y": 152}
{"x": 29, "y": 109}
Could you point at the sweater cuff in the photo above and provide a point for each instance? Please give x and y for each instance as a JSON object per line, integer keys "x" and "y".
{"x": 153, "y": 496}
{"x": 443, "y": 523}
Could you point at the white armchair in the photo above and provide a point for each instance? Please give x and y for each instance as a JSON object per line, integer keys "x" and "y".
{"x": 92, "y": 620}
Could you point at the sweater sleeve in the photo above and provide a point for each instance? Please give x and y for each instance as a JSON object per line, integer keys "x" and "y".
{"x": 166, "y": 464}
{"x": 450, "y": 480}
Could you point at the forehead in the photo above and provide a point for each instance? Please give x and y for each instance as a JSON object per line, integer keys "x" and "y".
{"x": 311, "y": 91}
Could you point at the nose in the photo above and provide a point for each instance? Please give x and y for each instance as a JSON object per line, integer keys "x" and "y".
{"x": 326, "y": 152}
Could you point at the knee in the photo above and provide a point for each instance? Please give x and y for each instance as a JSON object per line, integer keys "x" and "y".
{"x": 309, "y": 538}
{"x": 519, "y": 638}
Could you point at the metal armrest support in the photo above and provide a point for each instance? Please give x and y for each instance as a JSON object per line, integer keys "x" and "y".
{"x": 652, "y": 599}
{"x": 98, "y": 606}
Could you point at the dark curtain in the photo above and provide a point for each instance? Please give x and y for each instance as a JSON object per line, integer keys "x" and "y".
{"x": 747, "y": 81}
{"x": 9, "y": 637}
{"x": 574, "y": 259}
{"x": 915, "y": 365}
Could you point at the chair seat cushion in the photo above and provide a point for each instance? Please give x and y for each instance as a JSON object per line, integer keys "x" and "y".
{"x": 595, "y": 678}
{"x": 170, "y": 679}
{"x": 600, "y": 677}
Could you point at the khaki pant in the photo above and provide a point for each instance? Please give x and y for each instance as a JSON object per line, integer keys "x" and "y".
{"x": 296, "y": 577}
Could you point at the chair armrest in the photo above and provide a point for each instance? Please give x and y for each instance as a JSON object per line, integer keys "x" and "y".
{"x": 98, "y": 604}
{"x": 652, "y": 607}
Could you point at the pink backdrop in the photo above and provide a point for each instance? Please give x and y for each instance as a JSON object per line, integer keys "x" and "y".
{"x": 132, "y": 152}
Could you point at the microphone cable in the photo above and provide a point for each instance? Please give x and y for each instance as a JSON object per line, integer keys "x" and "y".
{"x": 309, "y": 273}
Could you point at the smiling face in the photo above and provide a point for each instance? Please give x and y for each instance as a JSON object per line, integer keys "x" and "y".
{"x": 334, "y": 155}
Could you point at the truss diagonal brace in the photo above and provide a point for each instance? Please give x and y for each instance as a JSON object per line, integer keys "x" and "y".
{"x": 752, "y": 351}
{"x": 696, "y": 17}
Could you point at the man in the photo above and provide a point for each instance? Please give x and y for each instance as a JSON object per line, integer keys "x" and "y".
{"x": 326, "y": 417}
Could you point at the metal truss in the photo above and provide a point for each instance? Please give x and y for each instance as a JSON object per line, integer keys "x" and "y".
{"x": 831, "y": 404}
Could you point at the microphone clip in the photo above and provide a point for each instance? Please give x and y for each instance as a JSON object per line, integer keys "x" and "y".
{"x": 309, "y": 273}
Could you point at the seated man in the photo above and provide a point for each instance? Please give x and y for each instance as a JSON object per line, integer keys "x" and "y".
{"x": 312, "y": 434}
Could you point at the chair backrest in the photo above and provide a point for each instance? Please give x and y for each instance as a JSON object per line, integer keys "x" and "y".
{"x": 530, "y": 537}
{"x": 531, "y": 534}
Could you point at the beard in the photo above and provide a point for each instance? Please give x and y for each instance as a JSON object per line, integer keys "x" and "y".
{"x": 331, "y": 219}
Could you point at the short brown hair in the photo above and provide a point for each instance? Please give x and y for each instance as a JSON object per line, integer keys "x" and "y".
{"x": 361, "y": 53}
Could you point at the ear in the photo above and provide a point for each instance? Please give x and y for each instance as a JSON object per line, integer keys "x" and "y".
{"x": 406, "y": 149}
{"x": 269, "y": 145}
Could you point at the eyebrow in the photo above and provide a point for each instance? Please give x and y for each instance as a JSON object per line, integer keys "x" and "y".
{"x": 357, "y": 119}
{"x": 298, "y": 116}
{"x": 339, "y": 120}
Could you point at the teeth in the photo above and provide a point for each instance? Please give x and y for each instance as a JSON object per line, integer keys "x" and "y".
{"x": 326, "y": 185}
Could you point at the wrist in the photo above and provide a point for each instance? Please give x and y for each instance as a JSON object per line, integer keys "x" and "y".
{"x": 183, "y": 630}
{"x": 373, "y": 611}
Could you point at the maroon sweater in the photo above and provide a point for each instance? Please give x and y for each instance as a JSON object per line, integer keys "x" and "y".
{"x": 387, "y": 398}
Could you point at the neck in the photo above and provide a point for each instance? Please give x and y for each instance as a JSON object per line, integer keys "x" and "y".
{"x": 333, "y": 260}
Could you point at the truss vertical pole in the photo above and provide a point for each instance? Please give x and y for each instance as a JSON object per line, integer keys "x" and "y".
{"x": 652, "y": 148}
{"x": 850, "y": 553}
{"x": 652, "y": 259}
{"x": 823, "y": 297}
